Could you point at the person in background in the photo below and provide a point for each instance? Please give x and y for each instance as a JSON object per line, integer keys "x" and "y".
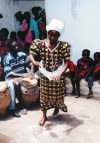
{"x": 20, "y": 18}
{"x": 34, "y": 22}
{"x": 54, "y": 56}
{"x": 28, "y": 34}
{"x": 13, "y": 35}
{"x": 84, "y": 69}
{"x": 5, "y": 31}
{"x": 3, "y": 43}
{"x": 15, "y": 64}
{"x": 40, "y": 18}
{"x": 21, "y": 40}
{"x": 42, "y": 24}
{"x": 96, "y": 71}
{"x": 3, "y": 50}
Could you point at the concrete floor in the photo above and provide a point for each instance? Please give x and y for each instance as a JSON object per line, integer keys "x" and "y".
{"x": 80, "y": 125}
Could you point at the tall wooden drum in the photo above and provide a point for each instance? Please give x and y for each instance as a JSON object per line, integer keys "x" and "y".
{"x": 4, "y": 98}
{"x": 29, "y": 90}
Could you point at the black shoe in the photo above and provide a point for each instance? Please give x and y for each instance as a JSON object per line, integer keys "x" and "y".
{"x": 14, "y": 113}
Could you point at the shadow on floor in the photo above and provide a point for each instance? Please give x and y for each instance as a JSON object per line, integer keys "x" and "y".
{"x": 31, "y": 107}
{"x": 63, "y": 119}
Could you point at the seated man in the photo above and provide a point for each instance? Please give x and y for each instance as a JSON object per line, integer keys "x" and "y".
{"x": 15, "y": 64}
{"x": 96, "y": 71}
{"x": 85, "y": 67}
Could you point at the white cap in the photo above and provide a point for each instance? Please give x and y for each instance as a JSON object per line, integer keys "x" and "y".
{"x": 56, "y": 25}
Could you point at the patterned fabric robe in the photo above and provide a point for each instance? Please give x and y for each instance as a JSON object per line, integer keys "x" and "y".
{"x": 51, "y": 92}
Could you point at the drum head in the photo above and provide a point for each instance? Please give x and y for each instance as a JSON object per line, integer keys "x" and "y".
{"x": 3, "y": 86}
{"x": 29, "y": 82}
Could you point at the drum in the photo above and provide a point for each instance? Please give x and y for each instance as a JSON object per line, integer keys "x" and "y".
{"x": 4, "y": 97}
{"x": 29, "y": 90}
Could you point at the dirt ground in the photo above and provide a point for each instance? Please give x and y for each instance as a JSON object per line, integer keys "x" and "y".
{"x": 81, "y": 124}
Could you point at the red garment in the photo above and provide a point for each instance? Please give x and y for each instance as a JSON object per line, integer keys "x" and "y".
{"x": 97, "y": 69}
{"x": 71, "y": 66}
{"x": 28, "y": 37}
{"x": 3, "y": 49}
{"x": 84, "y": 67}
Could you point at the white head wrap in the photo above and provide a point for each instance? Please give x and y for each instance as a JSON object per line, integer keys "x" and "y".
{"x": 56, "y": 25}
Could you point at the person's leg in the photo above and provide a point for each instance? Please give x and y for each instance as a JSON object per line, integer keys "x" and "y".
{"x": 72, "y": 77}
{"x": 43, "y": 119}
{"x": 12, "y": 94}
{"x": 77, "y": 81}
{"x": 17, "y": 86}
{"x": 18, "y": 93}
{"x": 12, "y": 104}
{"x": 90, "y": 84}
{"x": 56, "y": 111}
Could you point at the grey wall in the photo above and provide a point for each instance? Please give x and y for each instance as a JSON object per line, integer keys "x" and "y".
{"x": 6, "y": 8}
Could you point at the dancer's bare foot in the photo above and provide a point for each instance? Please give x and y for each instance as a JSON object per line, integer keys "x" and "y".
{"x": 56, "y": 111}
{"x": 42, "y": 121}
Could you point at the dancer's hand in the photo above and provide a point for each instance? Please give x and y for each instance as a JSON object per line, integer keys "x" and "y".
{"x": 57, "y": 78}
{"x": 39, "y": 64}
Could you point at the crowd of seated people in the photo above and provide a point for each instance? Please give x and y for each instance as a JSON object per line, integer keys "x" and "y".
{"x": 28, "y": 29}
{"x": 86, "y": 68}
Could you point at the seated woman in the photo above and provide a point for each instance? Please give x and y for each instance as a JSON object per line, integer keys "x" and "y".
{"x": 84, "y": 69}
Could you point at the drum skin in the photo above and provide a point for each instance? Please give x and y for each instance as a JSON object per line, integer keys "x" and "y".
{"x": 4, "y": 99}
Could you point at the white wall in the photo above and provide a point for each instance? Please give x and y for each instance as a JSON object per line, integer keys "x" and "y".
{"x": 82, "y": 23}
{"x": 6, "y": 8}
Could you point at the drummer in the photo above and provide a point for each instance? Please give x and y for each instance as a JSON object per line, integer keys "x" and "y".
{"x": 15, "y": 64}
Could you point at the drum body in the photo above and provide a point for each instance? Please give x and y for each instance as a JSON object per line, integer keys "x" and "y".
{"x": 4, "y": 97}
{"x": 29, "y": 91}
